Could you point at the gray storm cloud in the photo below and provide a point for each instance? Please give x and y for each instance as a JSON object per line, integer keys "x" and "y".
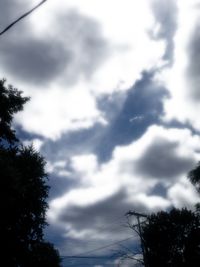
{"x": 193, "y": 67}
{"x": 105, "y": 218}
{"x": 165, "y": 13}
{"x": 96, "y": 214}
{"x": 73, "y": 48}
{"x": 34, "y": 60}
{"x": 160, "y": 160}
{"x": 10, "y": 10}
{"x": 84, "y": 39}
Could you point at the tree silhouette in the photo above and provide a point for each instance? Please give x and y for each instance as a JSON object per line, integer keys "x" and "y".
{"x": 11, "y": 101}
{"x": 43, "y": 254}
{"x": 172, "y": 239}
{"x": 23, "y": 193}
{"x": 194, "y": 177}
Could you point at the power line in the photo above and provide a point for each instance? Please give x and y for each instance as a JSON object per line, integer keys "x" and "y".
{"x": 22, "y": 17}
{"x": 81, "y": 255}
{"x": 88, "y": 264}
{"x": 96, "y": 249}
{"x": 115, "y": 221}
{"x": 85, "y": 257}
{"x": 137, "y": 214}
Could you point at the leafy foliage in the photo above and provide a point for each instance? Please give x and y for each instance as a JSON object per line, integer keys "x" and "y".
{"x": 172, "y": 239}
{"x": 43, "y": 254}
{"x": 23, "y": 194}
{"x": 11, "y": 101}
{"x": 194, "y": 176}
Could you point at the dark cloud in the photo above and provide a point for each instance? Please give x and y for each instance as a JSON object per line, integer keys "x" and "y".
{"x": 60, "y": 185}
{"x": 106, "y": 218}
{"x": 75, "y": 48}
{"x": 83, "y": 36}
{"x": 100, "y": 214}
{"x": 25, "y": 56}
{"x": 11, "y": 10}
{"x": 165, "y": 13}
{"x": 34, "y": 60}
{"x": 103, "y": 218}
{"x": 71, "y": 144}
{"x": 193, "y": 67}
{"x": 160, "y": 160}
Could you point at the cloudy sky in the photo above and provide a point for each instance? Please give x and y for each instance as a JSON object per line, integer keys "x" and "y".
{"x": 115, "y": 98}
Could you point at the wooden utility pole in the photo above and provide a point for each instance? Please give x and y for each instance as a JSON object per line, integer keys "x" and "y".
{"x": 138, "y": 216}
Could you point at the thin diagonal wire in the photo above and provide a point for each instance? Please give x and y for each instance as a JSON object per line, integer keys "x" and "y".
{"x": 22, "y": 17}
{"x": 99, "y": 248}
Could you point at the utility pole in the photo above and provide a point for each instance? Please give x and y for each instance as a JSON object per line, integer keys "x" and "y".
{"x": 138, "y": 216}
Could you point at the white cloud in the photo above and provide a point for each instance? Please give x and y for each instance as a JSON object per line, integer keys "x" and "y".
{"x": 52, "y": 112}
{"x": 86, "y": 163}
{"x": 58, "y": 167}
{"x": 150, "y": 202}
{"x": 183, "y": 194}
{"x": 182, "y": 78}
{"x": 126, "y": 28}
{"x": 37, "y": 143}
{"x": 102, "y": 182}
{"x": 124, "y": 49}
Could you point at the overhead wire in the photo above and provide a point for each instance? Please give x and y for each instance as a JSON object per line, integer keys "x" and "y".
{"x": 97, "y": 249}
{"x": 85, "y": 255}
{"x": 99, "y": 229}
{"x": 22, "y": 17}
{"x": 89, "y": 264}
{"x": 114, "y": 221}
{"x": 109, "y": 225}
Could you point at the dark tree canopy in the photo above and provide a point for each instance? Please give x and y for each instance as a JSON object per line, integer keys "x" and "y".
{"x": 11, "y": 101}
{"x": 172, "y": 239}
{"x": 43, "y": 254}
{"x": 23, "y": 194}
{"x": 194, "y": 176}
